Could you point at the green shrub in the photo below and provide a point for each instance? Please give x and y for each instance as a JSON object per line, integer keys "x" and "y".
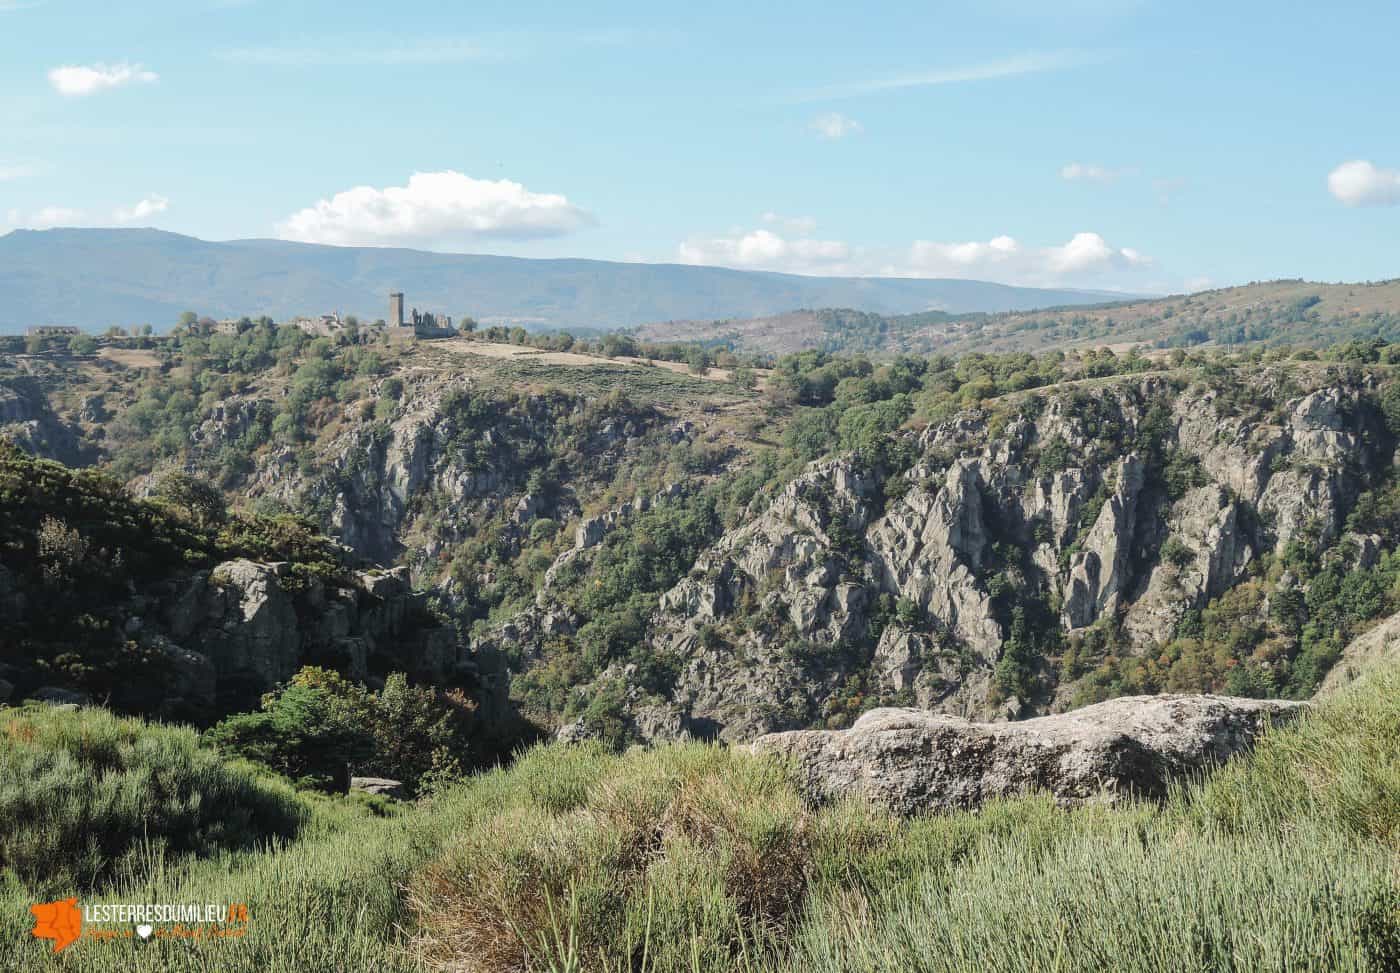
{"x": 82, "y": 791}
{"x": 321, "y": 727}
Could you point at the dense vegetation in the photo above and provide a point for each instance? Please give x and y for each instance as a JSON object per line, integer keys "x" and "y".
{"x": 320, "y": 725}
{"x": 76, "y": 542}
{"x": 87, "y": 796}
{"x": 702, "y": 858}
{"x": 329, "y": 402}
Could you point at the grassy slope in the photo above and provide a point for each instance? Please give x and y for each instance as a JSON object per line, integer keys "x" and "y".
{"x": 700, "y": 858}
{"x": 1273, "y": 312}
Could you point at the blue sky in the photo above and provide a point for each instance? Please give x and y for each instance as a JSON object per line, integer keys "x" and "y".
{"x": 1123, "y": 144}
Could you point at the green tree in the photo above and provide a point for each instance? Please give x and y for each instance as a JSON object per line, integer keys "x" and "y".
{"x": 82, "y": 344}
{"x": 313, "y": 730}
{"x": 200, "y": 503}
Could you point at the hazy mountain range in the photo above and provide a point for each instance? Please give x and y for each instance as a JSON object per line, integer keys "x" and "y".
{"x": 98, "y": 277}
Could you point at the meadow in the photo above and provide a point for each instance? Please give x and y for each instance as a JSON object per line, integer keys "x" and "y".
{"x": 697, "y": 857}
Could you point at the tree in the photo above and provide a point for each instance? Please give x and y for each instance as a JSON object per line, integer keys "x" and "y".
{"x": 698, "y": 359}
{"x": 466, "y": 325}
{"x": 201, "y": 504}
{"x": 321, "y": 727}
{"x": 82, "y": 344}
{"x": 314, "y": 730}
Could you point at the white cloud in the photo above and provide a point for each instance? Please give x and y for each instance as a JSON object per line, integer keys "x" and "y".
{"x": 143, "y": 210}
{"x": 765, "y": 250}
{"x": 44, "y": 219}
{"x": 434, "y": 209}
{"x": 986, "y": 71}
{"x": 1083, "y": 257}
{"x": 50, "y": 217}
{"x": 11, "y": 172}
{"x": 1088, "y": 172}
{"x": 1362, "y": 183}
{"x": 834, "y": 125}
{"x": 957, "y": 257}
{"x": 76, "y": 81}
{"x": 1086, "y": 259}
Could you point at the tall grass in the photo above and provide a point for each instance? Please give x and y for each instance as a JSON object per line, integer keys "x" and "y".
{"x": 82, "y": 791}
{"x": 697, "y": 858}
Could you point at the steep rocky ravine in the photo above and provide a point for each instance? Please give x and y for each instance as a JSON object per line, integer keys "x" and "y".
{"x": 993, "y": 565}
{"x": 949, "y": 585}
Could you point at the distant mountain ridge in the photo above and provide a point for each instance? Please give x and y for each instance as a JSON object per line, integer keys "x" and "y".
{"x": 1276, "y": 312}
{"x": 98, "y": 277}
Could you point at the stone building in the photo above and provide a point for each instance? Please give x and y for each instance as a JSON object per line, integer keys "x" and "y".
{"x": 419, "y": 324}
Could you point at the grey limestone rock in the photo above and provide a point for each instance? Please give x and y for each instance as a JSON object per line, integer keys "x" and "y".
{"x": 912, "y": 761}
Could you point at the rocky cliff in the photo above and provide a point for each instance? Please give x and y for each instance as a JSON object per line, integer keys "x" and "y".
{"x": 1102, "y": 509}
{"x": 215, "y": 640}
{"x": 169, "y": 608}
{"x": 448, "y": 460}
{"x": 28, "y": 420}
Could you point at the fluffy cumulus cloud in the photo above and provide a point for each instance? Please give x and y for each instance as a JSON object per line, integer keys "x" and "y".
{"x": 434, "y": 209}
{"x": 763, "y": 249}
{"x": 834, "y": 125}
{"x": 1086, "y": 259}
{"x": 150, "y": 206}
{"x": 1362, "y": 183}
{"x": 79, "y": 80}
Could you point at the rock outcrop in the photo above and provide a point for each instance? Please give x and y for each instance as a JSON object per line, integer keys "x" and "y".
{"x": 1125, "y": 506}
{"x": 378, "y": 786}
{"x": 912, "y": 761}
{"x": 28, "y": 420}
{"x": 255, "y": 626}
{"x": 444, "y": 464}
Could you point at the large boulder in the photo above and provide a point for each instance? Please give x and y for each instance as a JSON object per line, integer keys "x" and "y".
{"x": 379, "y": 786}
{"x": 913, "y": 761}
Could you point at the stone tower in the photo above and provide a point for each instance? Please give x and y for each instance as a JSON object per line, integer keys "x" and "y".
{"x": 396, "y": 310}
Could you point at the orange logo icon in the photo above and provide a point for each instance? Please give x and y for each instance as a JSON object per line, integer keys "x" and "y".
{"x": 61, "y": 921}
